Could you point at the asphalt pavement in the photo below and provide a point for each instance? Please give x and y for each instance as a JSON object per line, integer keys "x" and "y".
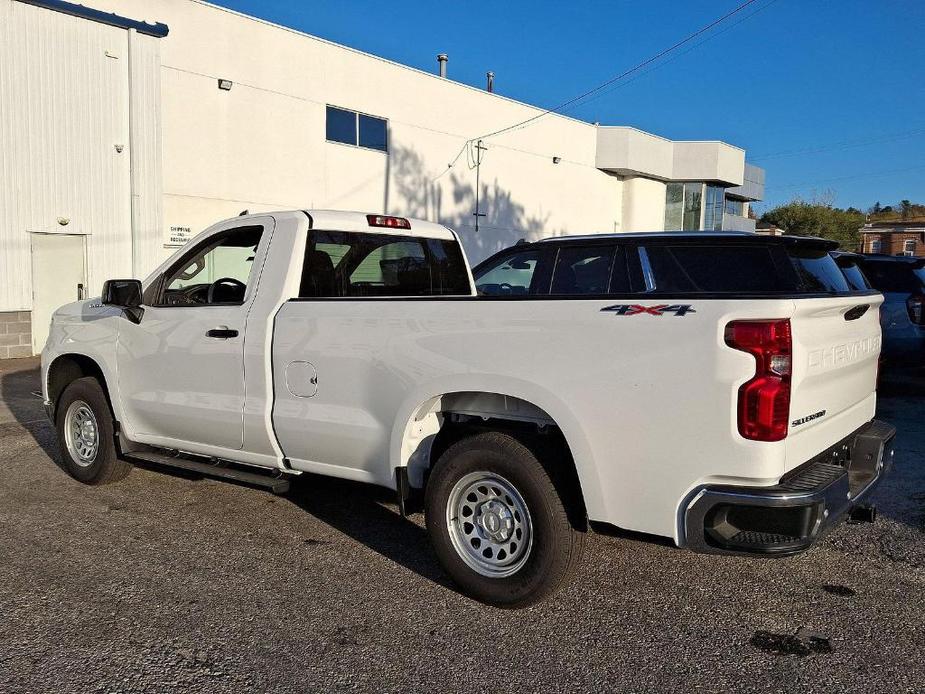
{"x": 169, "y": 583}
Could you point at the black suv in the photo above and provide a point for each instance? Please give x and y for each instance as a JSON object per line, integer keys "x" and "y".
{"x": 663, "y": 264}
{"x": 901, "y": 279}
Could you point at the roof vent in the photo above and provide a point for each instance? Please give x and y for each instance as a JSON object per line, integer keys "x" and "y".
{"x": 442, "y": 60}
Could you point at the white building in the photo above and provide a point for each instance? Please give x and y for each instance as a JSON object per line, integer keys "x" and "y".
{"x": 122, "y": 134}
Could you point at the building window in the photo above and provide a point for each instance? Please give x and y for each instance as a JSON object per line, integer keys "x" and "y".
{"x": 693, "y": 199}
{"x": 683, "y": 205}
{"x": 674, "y": 206}
{"x": 358, "y": 129}
{"x": 909, "y": 247}
{"x": 735, "y": 207}
{"x": 875, "y": 246}
{"x": 713, "y": 211}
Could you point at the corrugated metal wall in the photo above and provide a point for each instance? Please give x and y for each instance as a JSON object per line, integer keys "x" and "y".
{"x": 147, "y": 180}
{"x": 66, "y": 143}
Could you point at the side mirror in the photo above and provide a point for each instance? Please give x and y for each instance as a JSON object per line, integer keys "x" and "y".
{"x": 122, "y": 293}
{"x": 126, "y": 294}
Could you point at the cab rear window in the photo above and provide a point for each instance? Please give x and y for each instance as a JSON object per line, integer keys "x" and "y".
{"x": 356, "y": 264}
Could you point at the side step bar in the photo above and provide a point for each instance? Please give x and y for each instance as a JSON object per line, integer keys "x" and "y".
{"x": 277, "y": 485}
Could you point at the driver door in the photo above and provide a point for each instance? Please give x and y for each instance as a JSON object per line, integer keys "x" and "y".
{"x": 181, "y": 369}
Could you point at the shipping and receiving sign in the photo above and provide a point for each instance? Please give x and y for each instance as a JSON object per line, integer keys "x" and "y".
{"x": 178, "y": 236}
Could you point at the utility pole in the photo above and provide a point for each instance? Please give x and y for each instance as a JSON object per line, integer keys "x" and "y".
{"x": 479, "y": 148}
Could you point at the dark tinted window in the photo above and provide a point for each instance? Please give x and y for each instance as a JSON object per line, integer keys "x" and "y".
{"x": 891, "y": 276}
{"x": 511, "y": 275}
{"x": 700, "y": 268}
{"x": 817, "y": 270}
{"x": 852, "y": 273}
{"x": 341, "y": 126}
{"x": 342, "y": 264}
{"x": 582, "y": 270}
{"x": 374, "y": 133}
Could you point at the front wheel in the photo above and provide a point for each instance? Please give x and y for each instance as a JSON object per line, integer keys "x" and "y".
{"x": 86, "y": 434}
{"x": 498, "y": 524}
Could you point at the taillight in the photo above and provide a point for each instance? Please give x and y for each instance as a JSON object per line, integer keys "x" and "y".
{"x": 381, "y": 220}
{"x": 915, "y": 304}
{"x": 764, "y": 401}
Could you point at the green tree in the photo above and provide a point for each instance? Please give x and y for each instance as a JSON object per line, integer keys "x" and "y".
{"x": 905, "y": 209}
{"x": 818, "y": 218}
{"x": 876, "y": 209}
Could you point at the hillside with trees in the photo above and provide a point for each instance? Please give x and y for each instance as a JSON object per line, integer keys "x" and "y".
{"x": 904, "y": 210}
{"x": 819, "y": 217}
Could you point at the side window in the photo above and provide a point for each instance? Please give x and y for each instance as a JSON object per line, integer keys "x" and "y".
{"x": 817, "y": 271}
{"x": 583, "y": 270}
{"x": 345, "y": 264}
{"x": 722, "y": 269}
{"x": 512, "y": 275}
{"x": 856, "y": 278}
{"x": 216, "y": 272}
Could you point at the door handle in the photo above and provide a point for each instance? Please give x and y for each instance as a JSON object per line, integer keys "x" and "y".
{"x": 222, "y": 333}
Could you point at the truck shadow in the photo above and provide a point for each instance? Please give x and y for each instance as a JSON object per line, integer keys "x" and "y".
{"x": 370, "y": 516}
{"x": 19, "y": 382}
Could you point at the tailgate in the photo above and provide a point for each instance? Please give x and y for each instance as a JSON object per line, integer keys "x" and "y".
{"x": 836, "y": 349}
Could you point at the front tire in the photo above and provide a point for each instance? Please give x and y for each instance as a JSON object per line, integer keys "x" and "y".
{"x": 86, "y": 434}
{"x": 498, "y": 524}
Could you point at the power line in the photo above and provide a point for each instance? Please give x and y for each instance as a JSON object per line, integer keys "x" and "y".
{"x": 604, "y": 85}
{"x": 868, "y": 174}
{"x": 676, "y": 56}
{"x": 841, "y": 145}
{"x": 635, "y": 68}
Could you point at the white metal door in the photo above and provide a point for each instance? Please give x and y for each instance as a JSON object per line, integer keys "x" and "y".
{"x": 59, "y": 276}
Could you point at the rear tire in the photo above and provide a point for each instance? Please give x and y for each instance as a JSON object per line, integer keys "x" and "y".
{"x": 86, "y": 434}
{"x": 498, "y": 524}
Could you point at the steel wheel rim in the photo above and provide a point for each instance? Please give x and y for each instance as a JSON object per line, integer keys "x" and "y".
{"x": 489, "y": 524}
{"x": 81, "y": 433}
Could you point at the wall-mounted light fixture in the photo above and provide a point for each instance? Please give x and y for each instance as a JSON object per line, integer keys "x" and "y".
{"x": 556, "y": 160}
{"x": 224, "y": 85}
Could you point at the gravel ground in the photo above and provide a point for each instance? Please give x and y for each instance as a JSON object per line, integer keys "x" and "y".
{"x": 169, "y": 584}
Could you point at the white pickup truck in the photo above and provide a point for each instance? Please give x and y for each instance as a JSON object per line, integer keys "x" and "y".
{"x": 714, "y": 388}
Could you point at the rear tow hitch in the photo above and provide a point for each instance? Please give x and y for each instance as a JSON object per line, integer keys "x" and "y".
{"x": 863, "y": 513}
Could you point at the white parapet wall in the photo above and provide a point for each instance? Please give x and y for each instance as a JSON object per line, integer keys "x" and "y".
{"x": 261, "y": 145}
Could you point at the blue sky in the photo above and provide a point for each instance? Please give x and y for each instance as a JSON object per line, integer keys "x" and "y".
{"x": 844, "y": 77}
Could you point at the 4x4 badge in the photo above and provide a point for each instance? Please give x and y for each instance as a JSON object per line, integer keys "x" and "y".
{"x": 637, "y": 309}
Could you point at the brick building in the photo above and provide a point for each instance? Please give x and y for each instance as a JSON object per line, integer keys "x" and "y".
{"x": 894, "y": 237}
